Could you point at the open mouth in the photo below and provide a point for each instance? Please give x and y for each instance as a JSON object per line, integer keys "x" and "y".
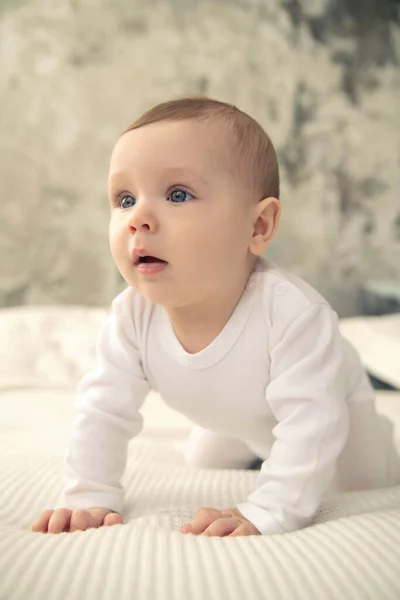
{"x": 147, "y": 263}
{"x": 141, "y": 258}
{"x": 149, "y": 259}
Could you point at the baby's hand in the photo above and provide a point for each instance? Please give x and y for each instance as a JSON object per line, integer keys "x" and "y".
{"x": 64, "y": 519}
{"x": 212, "y": 522}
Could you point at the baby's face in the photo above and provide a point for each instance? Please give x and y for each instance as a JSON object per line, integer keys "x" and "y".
{"x": 174, "y": 197}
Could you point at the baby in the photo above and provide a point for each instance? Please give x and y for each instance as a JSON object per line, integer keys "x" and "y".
{"x": 250, "y": 353}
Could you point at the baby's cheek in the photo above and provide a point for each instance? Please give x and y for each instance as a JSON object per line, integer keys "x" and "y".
{"x": 114, "y": 241}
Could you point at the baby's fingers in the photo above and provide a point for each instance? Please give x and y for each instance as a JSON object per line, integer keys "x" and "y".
{"x": 59, "y": 520}
{"x": 83, "y": 519}
{"x": 42, "y": 521}
{"x": 243, "y": 530}
{"x": 201, "y": 520}
{"x": 88, "y": 518}
{"x": 113, "y": 519}
{"x": 222, "y": 527}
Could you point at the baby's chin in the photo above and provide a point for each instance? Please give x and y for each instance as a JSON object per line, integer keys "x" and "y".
{"x": 158, "y": 292}
{"x": 169, "y": 298}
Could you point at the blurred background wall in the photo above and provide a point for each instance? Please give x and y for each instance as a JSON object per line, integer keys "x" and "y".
{"x": 321, "y": 76}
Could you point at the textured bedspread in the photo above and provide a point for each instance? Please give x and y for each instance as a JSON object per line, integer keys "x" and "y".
{"x": 351, "y": 552}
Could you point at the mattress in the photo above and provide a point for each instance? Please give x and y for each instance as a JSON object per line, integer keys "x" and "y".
{"x": 350, "y": 551}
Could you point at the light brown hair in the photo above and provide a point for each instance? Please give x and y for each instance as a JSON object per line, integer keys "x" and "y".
{"x": 256, "y": 157}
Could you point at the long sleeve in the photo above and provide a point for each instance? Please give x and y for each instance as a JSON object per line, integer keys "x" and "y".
{"x": 106, "y": 417}
{"x": 307, "y": 398}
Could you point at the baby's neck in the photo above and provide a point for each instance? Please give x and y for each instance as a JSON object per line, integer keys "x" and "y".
{"x": 196, "y": 329}
{"x": 197, "y": 326}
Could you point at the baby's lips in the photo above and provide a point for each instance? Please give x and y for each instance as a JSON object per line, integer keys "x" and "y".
{"x": 141, "y": 252}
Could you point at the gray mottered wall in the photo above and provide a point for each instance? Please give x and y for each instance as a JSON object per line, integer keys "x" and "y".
{"x": 322, "y": 77}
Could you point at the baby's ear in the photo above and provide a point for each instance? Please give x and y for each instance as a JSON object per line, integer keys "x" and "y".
{"x": 265, "y": 221}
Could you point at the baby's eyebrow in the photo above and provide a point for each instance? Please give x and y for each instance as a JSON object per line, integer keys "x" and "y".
{"x": 122, "y": 177}
{"x": 117, "y": 177}
{"x": 186, "y": 172}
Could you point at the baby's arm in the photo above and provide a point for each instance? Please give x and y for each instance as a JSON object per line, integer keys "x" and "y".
{"x": 307, "y": 397}
{"x": 106, "y": 417}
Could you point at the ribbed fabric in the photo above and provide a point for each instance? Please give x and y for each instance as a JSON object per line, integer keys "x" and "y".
{"x": 357, "y": 557}
{"x": 352, "y": 552}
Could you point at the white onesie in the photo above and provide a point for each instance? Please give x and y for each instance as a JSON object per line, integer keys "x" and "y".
{"x": 278, "y": 382}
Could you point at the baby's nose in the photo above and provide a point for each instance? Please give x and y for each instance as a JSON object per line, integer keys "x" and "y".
{"x": 142, "y": 220}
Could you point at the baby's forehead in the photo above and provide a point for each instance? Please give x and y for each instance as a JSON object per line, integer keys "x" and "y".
{"x": 200, "y": 144}
{"x": 209, "y": 134}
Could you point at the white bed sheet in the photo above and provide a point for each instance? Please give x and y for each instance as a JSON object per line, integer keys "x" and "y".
{"x": 351, "y": 551}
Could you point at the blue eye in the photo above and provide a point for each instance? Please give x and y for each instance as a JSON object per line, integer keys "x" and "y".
{"x": 131, "y": 198}
{"x": 179, "y": 196}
